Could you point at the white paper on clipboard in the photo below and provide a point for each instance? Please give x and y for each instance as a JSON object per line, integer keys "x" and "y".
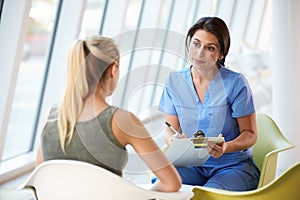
{"x": 182, "y": 152}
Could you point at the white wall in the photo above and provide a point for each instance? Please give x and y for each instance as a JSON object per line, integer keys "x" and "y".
{"x": 286, "y": 71}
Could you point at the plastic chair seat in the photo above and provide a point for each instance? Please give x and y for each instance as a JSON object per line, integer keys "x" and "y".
{"x": 286, "y": 186}
{"x": 76, "y": 180}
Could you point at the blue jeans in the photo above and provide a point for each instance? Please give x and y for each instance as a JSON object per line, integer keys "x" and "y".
{"x": 241, "y": 176}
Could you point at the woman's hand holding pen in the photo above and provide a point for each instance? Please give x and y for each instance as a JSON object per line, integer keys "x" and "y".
{"x": 216, "y": 150}
{"x": 174, "y": 134}
{"x": 177, "y": 136}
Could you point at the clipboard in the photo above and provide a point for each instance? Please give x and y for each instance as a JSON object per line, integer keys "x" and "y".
{"x": 190, "y": 151}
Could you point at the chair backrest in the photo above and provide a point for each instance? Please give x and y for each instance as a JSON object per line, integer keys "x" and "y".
{"x": 76, "y": 180}
{"x": 270, "y": 142}
{"x": 286, "y": 186}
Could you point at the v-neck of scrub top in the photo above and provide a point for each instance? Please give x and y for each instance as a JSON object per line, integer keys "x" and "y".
{"x": 191, "y": 84}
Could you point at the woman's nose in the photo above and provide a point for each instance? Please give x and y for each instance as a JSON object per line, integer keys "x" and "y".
{"x": 200, "y": 52}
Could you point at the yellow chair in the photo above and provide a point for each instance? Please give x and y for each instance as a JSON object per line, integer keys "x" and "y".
{"x": 270, "y": 142}
{"x": 286, "y": 186}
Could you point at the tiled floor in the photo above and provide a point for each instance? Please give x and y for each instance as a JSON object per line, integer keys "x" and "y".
{"x": 8, "y": 191}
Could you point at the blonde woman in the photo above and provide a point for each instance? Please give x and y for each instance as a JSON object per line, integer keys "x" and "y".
{"x": 85, "y": 127}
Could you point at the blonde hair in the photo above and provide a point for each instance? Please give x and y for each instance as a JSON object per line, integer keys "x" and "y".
{"x": 88, "y": 62}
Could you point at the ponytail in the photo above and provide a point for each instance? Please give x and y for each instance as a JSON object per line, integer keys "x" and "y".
{"x": 87, "y": 63}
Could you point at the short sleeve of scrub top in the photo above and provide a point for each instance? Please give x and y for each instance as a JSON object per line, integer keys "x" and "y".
{"x": 242, "y": 98}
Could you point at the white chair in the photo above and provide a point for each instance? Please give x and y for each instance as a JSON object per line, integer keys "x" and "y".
{"x": 76, "y": 180}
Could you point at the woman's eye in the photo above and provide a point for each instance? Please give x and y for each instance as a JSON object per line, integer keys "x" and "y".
{"x": 196, "y": 44}
{"x": 211, "y": 48}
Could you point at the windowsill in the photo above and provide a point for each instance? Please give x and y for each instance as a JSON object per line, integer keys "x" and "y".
{"x": 15, "y": 167}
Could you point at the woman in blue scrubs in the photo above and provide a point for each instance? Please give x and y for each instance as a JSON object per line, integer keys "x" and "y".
{"x": 209, "y": 97}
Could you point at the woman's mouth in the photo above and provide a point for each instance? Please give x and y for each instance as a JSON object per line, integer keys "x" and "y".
{"x": 199, "y": 62}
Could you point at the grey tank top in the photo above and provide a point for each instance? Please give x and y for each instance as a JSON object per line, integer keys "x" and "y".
{"x": 92, "y": 142}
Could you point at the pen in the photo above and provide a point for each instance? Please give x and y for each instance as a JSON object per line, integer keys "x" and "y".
{"x": 171, "y": 127}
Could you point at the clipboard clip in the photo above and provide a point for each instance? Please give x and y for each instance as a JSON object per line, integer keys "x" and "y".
{"x": 199, "y": 139}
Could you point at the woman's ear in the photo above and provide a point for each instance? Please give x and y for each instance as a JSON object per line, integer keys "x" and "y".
{"x": 114, "y": 70}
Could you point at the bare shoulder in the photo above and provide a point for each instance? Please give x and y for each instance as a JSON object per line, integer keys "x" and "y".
{"x": 128, "y": 123}
{"x": 123, "y": 116}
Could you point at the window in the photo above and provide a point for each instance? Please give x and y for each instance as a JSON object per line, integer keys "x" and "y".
{"x": 20, "y": 132}
{"x": 1, "y": 6}
{"x": 93, "y": 17}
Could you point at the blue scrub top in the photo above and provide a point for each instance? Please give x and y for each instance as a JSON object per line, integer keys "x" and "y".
{"x": 228, "y": 97}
